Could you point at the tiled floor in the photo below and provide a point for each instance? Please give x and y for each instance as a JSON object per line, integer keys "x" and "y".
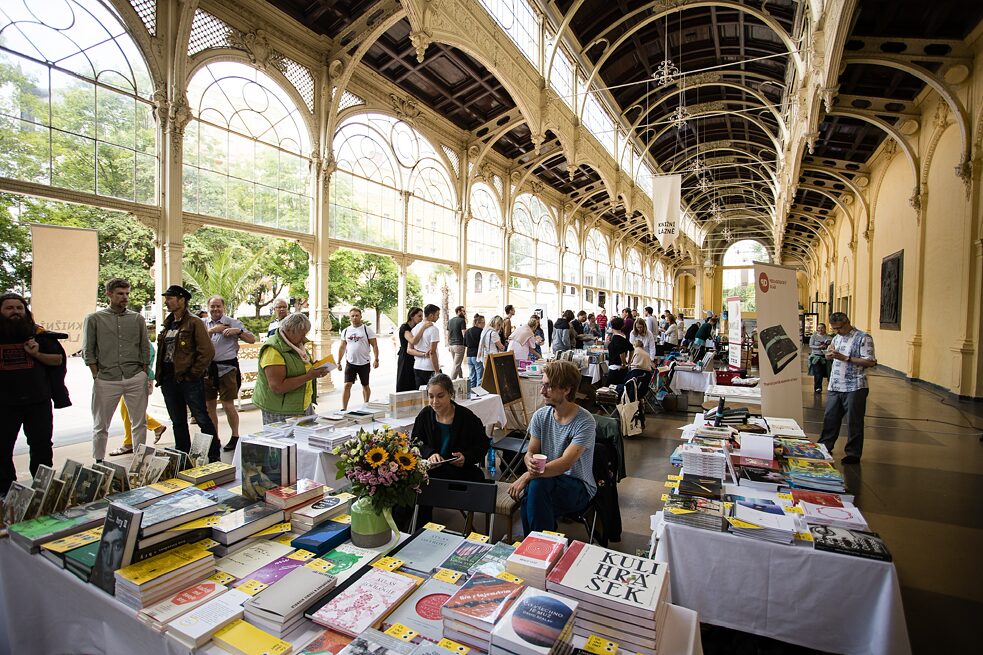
{"x": 919, "y": 486}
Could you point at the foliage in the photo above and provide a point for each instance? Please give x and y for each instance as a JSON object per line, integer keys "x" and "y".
{"x": 225, "y": 275}
{"x": 441, "y": 275}
{"x": 369, "y": 281}
{"x": 383, "y": 465}
{"x": 746, "y": 293}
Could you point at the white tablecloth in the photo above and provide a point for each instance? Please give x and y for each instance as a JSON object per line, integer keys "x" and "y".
{"x": 489, "y": 409}
{"x": 821, "y": 600}
{"x": 691, "y": 381}
{"x": 735, "y": 395}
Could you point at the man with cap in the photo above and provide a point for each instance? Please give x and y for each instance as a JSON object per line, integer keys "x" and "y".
{"x": 185, "y": 352}
{"x": 117, "y": 351}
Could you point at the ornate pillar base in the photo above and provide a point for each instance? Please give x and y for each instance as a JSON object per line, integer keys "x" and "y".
{"x": 963, "y": 364}
{"x": 914, "y": 356}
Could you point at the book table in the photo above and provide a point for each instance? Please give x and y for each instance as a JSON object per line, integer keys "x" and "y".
{"x": 821, "y": 600}
{"x": 698, "y": 381}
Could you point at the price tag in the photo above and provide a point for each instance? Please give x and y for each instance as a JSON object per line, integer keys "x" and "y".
{"x": 680, "y": 510}
{"x": 558, "y": 534}
{"x": 474, "y": 536}
{"x": 517, "y": 543}
{"x": 284, "y": 539}
{"x": 436, "y": 527}
{"x": 388, "y": 563}
{"x": 665, "y": 497}
{"x": 344, "y": 496}
{"x": 670, "y": 485}
{"x": 222, "y": 577}
{"x": 279, "y": 528}
{"x": 508, "y": 577}
{"x": 205, "y": 544}
{"x": 320, "y": 565}
{"x": 342, "y": 518}
{"x": 793, "y": 510}
{"x": 677, "y": 478}
{"x": 738, "y": 523}
{"x": 207, "y": 484}
{"x": 400, "y": 631}
{"x": 803, "y": 536}
{"x": 236, "y": 490}
{"x": 301, "y": 555}
{"x": 600, "y": 646}
{"x": 446, "y": 575}
{"x": 786, "y": 496}
{"x": 453, "y": 646}
{"x": 252, "y": 587}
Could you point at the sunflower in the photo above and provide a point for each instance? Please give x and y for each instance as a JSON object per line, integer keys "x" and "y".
{"x": 406, "y": 461}
{"x": 376, "y": 456}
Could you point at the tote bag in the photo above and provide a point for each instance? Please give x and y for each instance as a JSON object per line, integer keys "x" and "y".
{"x": 630, "y": 412}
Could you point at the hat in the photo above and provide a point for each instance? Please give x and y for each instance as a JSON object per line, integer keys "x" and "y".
{"x": 177, "y": 290}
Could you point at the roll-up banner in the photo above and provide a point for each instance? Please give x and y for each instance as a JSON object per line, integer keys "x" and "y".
{"x": 64, "y": 277}
{"x": 734, "y": 338}
{"x": 776, "y": 297}
{"x": 666, "y": 190}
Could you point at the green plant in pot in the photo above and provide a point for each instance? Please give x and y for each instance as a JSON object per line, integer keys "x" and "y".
{"x": 385, "y": 470}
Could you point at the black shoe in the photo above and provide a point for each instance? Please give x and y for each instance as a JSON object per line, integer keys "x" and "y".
{"x": 850, "y": 459}
{"x": 818, "y": 390}
{"x": 229, "y": 447}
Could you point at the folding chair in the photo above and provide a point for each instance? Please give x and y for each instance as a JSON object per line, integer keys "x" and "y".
{"x": 509, "y": 464}
{"x": 651, "y": 399}
{"x": 588, "y": 519}
{"x": 462, "y": 495}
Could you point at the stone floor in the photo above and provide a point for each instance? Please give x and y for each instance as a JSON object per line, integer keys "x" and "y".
{"x": 918, "y": 486}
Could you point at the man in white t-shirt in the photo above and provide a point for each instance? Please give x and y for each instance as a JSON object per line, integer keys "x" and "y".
{"x": 425, "y": 362}
{"x": 353, "y": 356}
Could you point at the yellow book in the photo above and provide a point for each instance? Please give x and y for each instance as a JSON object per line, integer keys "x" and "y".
{"x": 170, "y": 486}
{"x": 326, "y": 362}
{"x": 246, "y": 639}
{"x": 167, "y": 562}
{"x": 74, "y": 541}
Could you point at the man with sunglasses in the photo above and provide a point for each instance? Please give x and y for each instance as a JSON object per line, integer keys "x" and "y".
{"x": 851, "y": 353}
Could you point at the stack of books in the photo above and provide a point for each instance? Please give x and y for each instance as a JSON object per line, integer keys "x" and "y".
{"x": 279, "y": 608}
{"x": 421, "y": 612}
{"x": 538, "y": 623}
{"x": 857, "y": 543}
{"x": 759, "y": 478}
{"x": 802, "y": 449}
{"x": 327, "y": 437}
{"x": 700, "y": 486}
{"x": 622, "y": 597}
{"x": 365, "y": 602}
{"x": 55, "y": 551}
{"x": 242, "y": 638}
{"x": 308, "y": 517}
{"x": 818, "y": 475}
{"x": 157, "y": 616}
{"x": 194, "y": 629}
{"x": 266, "y": 464}
{"x": 242, "y": 563}
{"x": 428, "y": 551}
{"x": 236, "y": 526}
{"x": 365, "y": 415}
{"x": 696, "y": 512}
{"x": 846, "y": 516}
{"x": 761, "y": 521}
{"x": 152, "y": 580}
{"x": 303, "y": 492}
{"x": 471, "y": 613}
{"x": 535, "y": 557}
{"x": 704, "y": 461}
{"x": 177, "y": 509}
{"x": 217, "y": 472}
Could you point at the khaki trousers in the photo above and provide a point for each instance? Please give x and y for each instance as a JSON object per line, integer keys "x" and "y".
{"x": 105, "y": 399}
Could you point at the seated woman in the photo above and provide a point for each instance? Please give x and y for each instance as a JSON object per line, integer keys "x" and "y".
{"x": 448, "y": 431}
{"x": 284, "y": 383}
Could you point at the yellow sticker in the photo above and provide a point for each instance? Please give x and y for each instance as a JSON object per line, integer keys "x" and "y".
{"x": 342, "y": 518}
{"x": 207, "y": 484}
{"x": 344, "y": 496}
{"x": 508, "y": 577}
{"x": 680, "y": 510}
{"x": 803, "y": 536}
{"x": 453, "y": 646}
{"x": 301, "y": 555}
{"x": 793, "y": 510}
{"x": 670, "y": 485}
{"x": 222, "y": 577}
{"x": 400, "y": 631}
{"x": 446, "y": 575}
{"x": 236, "y": 490}
{"x": 558, "y": 534}
{"x": 252, "y": 587}
{"x": 738, "y": 523}
{"x": 170, "y": 486}
{"x": 204, "y": 544}
{"x": 285, "y": 539}
{"x": 474, "y": 536}
{"x": 728, "y": 505}
{"x": 279, "y": 528}
{"x": 785, "y": 496}
{"x": 388, "y": 563}
{"x": 206, "y": 522}
{"x": 677, "y": 478}
{"x": 436, "y": 527}
{"x": 320, "y": 565}
{"x": 600, "y": 646}
{"x": 665, "y": 497}
{"x": 517, "y": 543}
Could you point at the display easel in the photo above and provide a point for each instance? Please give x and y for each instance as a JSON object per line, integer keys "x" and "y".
{"x": 504, "y": 381}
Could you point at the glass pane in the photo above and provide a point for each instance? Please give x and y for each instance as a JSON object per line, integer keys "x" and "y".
{"x": 240, "y": 200}
{"x": 189, "y": 194}
{"x": 211, "y": 194}
{"x": 73, "y": 106}
{"x": 116, "y": 171}
{"x": 115, "y": 117}
{"x": 213, "y": 148}
{"x": 265, "y": 205}
{"x": 74, "y": 162}
{"x": 146, "y": 128}
{"x": 241, "y": 158}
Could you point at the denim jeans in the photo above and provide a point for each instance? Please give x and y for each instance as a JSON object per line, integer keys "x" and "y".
{"x": 179, "y": 397}
{"x": 547, "y": 498}
{"x": 854, "y": 405}
{"x": 476, "y": 369}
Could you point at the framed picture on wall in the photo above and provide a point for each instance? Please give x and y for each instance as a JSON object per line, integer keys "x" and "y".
{"x": 892, "y": 270}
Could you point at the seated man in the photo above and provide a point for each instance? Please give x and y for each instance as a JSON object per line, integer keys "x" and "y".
{"x": 564, "y": 432}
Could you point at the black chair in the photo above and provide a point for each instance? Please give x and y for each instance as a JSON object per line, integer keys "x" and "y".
{"x": 511, "y": 452}
{"x": 590, "y": 523}
{"x": 461, "y": 495}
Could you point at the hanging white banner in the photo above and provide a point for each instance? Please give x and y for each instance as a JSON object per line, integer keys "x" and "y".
{"x": 63, "y": 279}
{"x": 776, "y": 297}
{"x": 665, "y": 207}
{"x": 734, "y": 337}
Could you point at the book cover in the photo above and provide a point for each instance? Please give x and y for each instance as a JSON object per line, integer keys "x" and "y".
{"x": 276, "y": 569}
{"x": 156, "y": 468}
{"x": 493, "y": 561}
{"x": 180, "y": 603}
{"x": 755, "y": 462}
{"x": 119, "y": 537}
{"x": 74, "y": 541}
{"x": 328, "y": 642}
{"x": 81, "y": 560}
{"x": 535, "y": 623}
{"x": 243, "y": 562}
{"x": 465, "y": 556}
{"x": 324, "y": 537}
{"x": 52, "y": 497}
{"x": 857, "y": 543}
{"x": 181, "y": 507}
{"x": 247, "y": 520}
{"x": 68, "y": 472}
{"x": 296, "y": 494}
{"x": 292, "y": 594}
{"x": 263, "y": 467}
{"x": 87, "y": 486}
{"x": 626, "y": 583}
{"x": 196, "y": 627}
{"x": 16, "y": 503}
{"x": 365, "y": 602}
{"x": 421, "y": 611}
{"x": 481, "y": 601}
{"x": 242, "y": 637}
{"x": 320, "y": 510}
{"x": 840, "y": 517}
{"x": 692, "y": 485}
{"x": 198, "y": 454}
{"x": 537, "y": 550}
{"x": 138, "y": 465}
{"x": 141, "y": 573}
{"x": 759, "y": 476}
{"x": 758, "y": 504}
{"x": 207, "y": 472}
{"x": 374, "y": 642}
{"x": 779, "y": 347}
{"x": 428, "y": 550}
{"x": 817, "y": 498}
{"x": 139, "y": 497}
{"x": 347, "y": 559}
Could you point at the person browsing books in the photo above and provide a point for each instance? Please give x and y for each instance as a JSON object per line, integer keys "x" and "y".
{"x": 564, "y": 432}
{"x": 455, "y": 340}
{"x": 353, "y": 355}
{"x": 224, "y": 377}
{"x": 472, "y": 339}
{"x": 618, "y": 351}
{"x": 851, "y": 354}
{"x": 523, "y": 340}
{"x": 284, "y": 384}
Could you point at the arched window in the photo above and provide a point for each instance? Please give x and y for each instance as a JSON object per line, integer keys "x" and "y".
{"x": 738, "y": 273}
{"x": 75, "y": 107}
{"x": 485, "y": 232}
{"x": 571, "y": 258}
{"x": 534, "y": 246}
{"x": 246, "y": 151}
{"x": 596, "y": 264}
{"x": 522, "y": 247}
{"x": 478, "y": 284}
{"x": 635, "y": 272}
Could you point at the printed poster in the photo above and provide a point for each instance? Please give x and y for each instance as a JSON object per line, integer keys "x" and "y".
{"x": 776, "y": 296}
{"x": 734, "y": 336}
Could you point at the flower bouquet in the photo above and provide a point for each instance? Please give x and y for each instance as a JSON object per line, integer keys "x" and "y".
{"x": 384, "y": 466}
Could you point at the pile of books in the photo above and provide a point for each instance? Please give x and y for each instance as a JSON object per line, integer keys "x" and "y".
{"x": 819, "y": 475}
{"x": 217, "y": 472}
{"x": 844, "y": 516}
{"x": 306, "y": 518}
{"x": 535, "y": 557}
{"x": 802, "y": 448}
{"x": 622, "y": 597}
{"x": 324, "y": 537}
{"x": 704, "y": 460}
{"x": 241, "y": 564}
{"x": 242, "y": 638}
{"x": 279, "y": 608}
{"x": 304, "y": 492}
{"x": 195, "y": 628}
{"x": 157, "y": 616}
{"x": 472, "y": 612}
{"x": 857, "y": 543}
{"x": 266, "y": 464}
{"x": 152, "y": 580}
{"x": 696, "y": 512}
{"x": 538, "y": 623}
{"x": 234, "y": 527}
{"x": 763, "y": 520}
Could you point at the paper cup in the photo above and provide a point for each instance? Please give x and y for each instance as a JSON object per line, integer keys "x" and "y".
{"x": 539, "y": 461}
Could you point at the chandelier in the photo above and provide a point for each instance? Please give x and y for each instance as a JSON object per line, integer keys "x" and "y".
{"x": 666, "y": 72}
{"x": 679, "y": 117}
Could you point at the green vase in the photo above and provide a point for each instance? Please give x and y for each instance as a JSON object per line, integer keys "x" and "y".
{"x": 370, "y": 527}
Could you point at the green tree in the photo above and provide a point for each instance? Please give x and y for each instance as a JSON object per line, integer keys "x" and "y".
{"x": 15, "y": 244}
{"x": 367, "y": 280}
{"x": 441, "y": 275}
{"x": 226, "y": 275}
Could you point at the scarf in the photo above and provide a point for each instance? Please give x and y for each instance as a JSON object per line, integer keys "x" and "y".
{"x": 301, "y": 352}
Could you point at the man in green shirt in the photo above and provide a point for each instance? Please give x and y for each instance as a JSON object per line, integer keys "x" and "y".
{"x": 116, "y": 349}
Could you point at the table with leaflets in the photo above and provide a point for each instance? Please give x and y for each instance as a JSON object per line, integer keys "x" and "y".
{"x": 698, "y": 381}
{"x": 792, "y": 592}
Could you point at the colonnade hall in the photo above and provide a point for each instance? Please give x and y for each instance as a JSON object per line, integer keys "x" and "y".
{"x": 390, "y": 154}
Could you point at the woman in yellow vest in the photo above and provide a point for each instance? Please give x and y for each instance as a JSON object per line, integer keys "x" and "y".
{"x": 284, "y": 384}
